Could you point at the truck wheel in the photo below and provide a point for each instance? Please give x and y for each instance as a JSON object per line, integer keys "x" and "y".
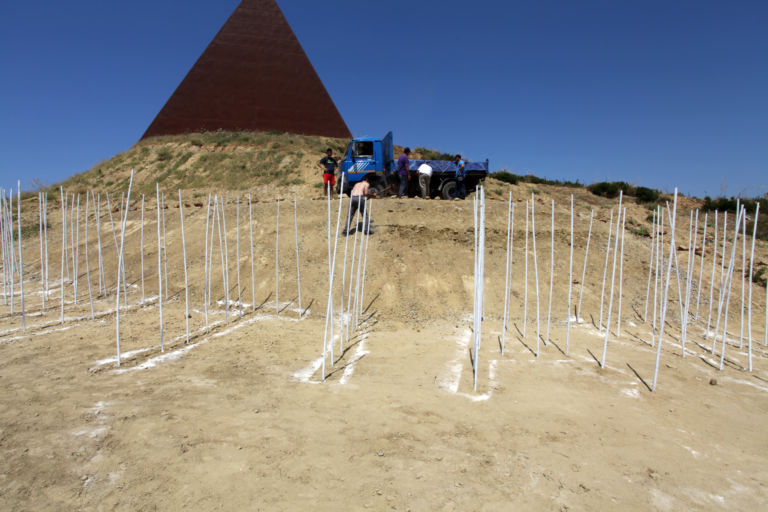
{"x": 449, "y": 189}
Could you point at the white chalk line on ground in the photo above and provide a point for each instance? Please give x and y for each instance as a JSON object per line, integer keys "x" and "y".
{"x": 97, "y": 315}
{"x": 235, "y": 306}
{"x": 452, "y": 375}
{"x": 30, "y": 334}
{"x": 306, "y": 373}
{"x": 178, "y": 353}
{"x": 360, "y": 351}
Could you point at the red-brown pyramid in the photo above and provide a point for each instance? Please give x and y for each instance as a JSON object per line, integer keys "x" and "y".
{"x": 253, "y": 76}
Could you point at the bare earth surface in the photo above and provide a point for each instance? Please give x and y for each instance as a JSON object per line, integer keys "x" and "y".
{"x": 240, "y": 418}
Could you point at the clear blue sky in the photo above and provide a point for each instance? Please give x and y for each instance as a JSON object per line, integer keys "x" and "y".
{"x": 657, "y": 93}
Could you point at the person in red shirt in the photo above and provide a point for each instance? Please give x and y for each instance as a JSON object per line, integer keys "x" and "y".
{"x": 328, "y": 164}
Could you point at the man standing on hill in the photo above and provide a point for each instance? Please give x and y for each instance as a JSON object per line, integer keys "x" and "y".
{"x": 328, "y": 164}
{"x": 357, "y": 201}
{"x": 461, "y": 187}
{"x": 425, "y": 174}
{"x": 403, "y": 172}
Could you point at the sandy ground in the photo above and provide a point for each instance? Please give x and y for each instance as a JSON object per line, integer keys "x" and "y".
{"x": 240, "y": 418}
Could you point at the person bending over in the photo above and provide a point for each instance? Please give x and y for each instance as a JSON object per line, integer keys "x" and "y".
{"x": 360, "y": 194}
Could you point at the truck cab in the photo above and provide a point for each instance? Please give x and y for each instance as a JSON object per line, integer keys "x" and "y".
{"x": 366, "y": 155}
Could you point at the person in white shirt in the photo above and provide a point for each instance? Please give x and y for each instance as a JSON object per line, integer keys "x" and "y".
{"x": 425, "y": 174}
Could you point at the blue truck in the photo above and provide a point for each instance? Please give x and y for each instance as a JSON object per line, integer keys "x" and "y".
{"x": 367, "y": 155}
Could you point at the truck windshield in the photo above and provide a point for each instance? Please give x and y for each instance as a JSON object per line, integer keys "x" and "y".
{"x": 363, "y": 149}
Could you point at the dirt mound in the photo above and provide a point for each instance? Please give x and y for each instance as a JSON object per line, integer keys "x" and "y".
{"x": 239, "y": 417}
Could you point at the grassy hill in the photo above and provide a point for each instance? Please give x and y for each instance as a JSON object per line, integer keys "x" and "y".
{"x": 272, "y": 163}
{"x": 264, "y": 162}
{"x": 219, "y": 160}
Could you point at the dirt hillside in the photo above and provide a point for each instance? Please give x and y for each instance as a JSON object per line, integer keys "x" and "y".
{"x": 243, "y": 416}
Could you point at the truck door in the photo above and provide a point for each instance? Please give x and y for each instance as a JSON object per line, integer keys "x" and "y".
{"x": 388, "y": 156}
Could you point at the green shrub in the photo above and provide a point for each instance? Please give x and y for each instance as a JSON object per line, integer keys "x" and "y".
{"x": 164, "y": 154}
{"x": 506, "y": 177}
{"x": 646, "y": 195}
{"x": 430, "y": 154}
{"x": 723, "y": 204}
{"x": 759, "y": 276}
{"x": 610, "y": 189}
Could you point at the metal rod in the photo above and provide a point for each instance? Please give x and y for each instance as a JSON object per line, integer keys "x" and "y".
{"x": 712, "y": 278}
{"x": 226, "y": 250}
{"x": 186, "y": 273}
{"x": 743, "y": 284}
{"x": 119, "y": 266}
{"x": 237, "y": 255}
{"x": 613, "y": 279}
{"x": 165, "y": 249}
{"x": 689, "y": 285}
{"x": 102, "y": 277}
{"x": 666, "y": 292}
{"x": 63, "y": 249}
{"x": 751, "y": 270}
{"x": 87, "y": 264}
{"x": 584, "y": 271}
{"x": 329, "y": 304}
{"x": 535, "y": 273}
{"x": 253, "y": 275}
{"x": 650, "y": 266}
{"x": 40, "y": 232}
{"x": 551, "y": 271}
{"x": 141, "y": 251}
{"x": 277, "y": 257}
{"x": 701, "y": 267}
{"x": 525, "y": 274}
{"x": 367, "y": 224}
{"x": 570, "y": 288}
{"x": 205, "y": 264}
{"x": 621, "y": 273}
{"x": 729, "y": 280}
{"x": 298, "y": 266}
{"x": 45, "y": 231}
{"x": 658, "y": 279}
{"x": 76, "y": 250}
{"x": 21, "y": 259}
{"x": 224, "y": 280}
{"x": 605, "y": 269}
{"x": 506, "y": 273}
{"x": 160, "y": 270}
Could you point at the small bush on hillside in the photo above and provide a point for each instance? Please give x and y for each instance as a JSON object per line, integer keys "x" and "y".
{"x": 28, "y": 230}
{"x": 610, "y": 189}
{"x": 514, "y": 179}
{"x": 506, "y": 177}
{"x": 164, "y": 154}
{"x": 646, "y": 195}
{"x": 724, "y": 204}
{"x": 430, "y": 154}
{"x": 759, "y": 276}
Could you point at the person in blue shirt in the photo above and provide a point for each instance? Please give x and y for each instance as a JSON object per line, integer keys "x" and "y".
{"x": 403, "y": 168}
{"x": 461, "y": 187}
